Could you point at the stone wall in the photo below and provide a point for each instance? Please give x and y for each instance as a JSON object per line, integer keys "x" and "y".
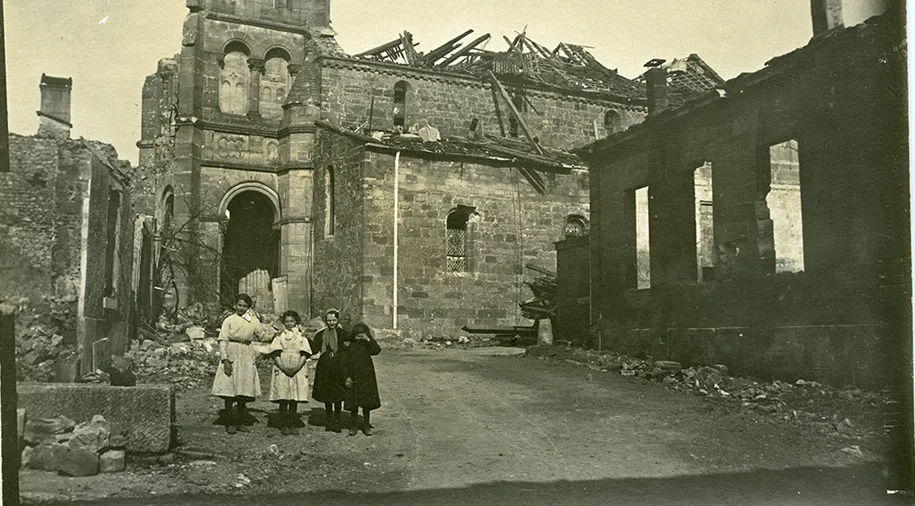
{"x": 35, "y": 247}
{"x": 450, "y": 102}
{"x": 516, "y": 226}
{"x": 573, "y": 290}
{"x": 338, "y": 271}
{"x": 836, "y": 320}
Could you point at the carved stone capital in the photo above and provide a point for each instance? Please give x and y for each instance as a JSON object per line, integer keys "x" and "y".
{"x": 221, "y": 60}
{"x": 294, "y": 69}
{"x": 257, "y": 65}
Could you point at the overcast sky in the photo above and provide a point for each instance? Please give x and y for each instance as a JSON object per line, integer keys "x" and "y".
{"x": 108, "y": 47}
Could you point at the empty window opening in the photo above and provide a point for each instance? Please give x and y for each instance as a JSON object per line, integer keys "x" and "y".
{"x": 329, "y": 201}
{"x": 612, "y": 122}
{"x": 112, "y": 240}
{"x": 705, "y": 225}
{"x": 642, "y": 246}
{"x": 456, "y": 238}
{"x": 233, "y": 78}
{"x": 400, "y": 104}
{"x": 784, "y": 203}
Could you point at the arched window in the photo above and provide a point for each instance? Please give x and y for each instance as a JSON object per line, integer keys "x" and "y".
{"x": 167, "y": 208}
{"x": 233, "y": 79}
{"x": 329, "y": 210}
{"x": 456, "y": 238}
{"x": 575, "y": 226}
{"x": 400, "y": 104}
{"x": 274, "y": 84}
{"x": 612, "y": 122}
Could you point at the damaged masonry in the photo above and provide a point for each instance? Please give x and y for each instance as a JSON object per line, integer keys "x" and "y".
{"x": 698, "y": 275}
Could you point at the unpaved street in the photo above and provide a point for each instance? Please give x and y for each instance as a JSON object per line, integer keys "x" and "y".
{"x": 461, "y": 426}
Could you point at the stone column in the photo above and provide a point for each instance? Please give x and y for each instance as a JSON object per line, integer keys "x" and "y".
{"x": 257, "y": 67}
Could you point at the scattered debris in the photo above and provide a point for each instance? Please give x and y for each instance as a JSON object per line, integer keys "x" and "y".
{"x": 842, "y": 413}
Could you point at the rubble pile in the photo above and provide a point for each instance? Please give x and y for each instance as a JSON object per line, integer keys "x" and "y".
{"x": 543, "y": 305}
{"x": 60, "y": 444}
{"x": 42, "y": 354}
{"x": 841, "y": 412}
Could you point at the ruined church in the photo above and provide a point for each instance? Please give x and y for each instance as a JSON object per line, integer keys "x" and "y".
{"x": 404, "y": 185}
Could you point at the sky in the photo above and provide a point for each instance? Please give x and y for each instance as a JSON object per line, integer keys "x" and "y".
{"x": 108, "y": 47}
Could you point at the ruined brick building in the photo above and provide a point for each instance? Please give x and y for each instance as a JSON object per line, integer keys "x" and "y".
{"x": 66, "y": 231}
{"x": 278, "y": 151}
{"x": 764, "y": 225}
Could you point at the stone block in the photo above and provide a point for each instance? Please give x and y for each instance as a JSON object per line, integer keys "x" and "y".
{"x": 92, "y": 435}
{"x": 112, "y": 461}
{"x": 46, "y": 430}
{"x": 78, "y": 462}
{"x": 148, "y": 411}
{"x": 46, "y": 457}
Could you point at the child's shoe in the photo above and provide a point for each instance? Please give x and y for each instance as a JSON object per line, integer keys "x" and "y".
{"x": 367, "y": 429}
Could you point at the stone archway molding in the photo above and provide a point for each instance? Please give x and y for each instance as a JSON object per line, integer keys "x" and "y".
{"x": 259, "y": 187}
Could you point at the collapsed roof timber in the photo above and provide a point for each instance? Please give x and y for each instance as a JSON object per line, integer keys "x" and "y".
{"x": 567, "y": 66}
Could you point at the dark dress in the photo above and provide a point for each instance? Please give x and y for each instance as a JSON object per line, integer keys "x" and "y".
{"x": 328, "y": 384}
{"x": 356, "y": 363}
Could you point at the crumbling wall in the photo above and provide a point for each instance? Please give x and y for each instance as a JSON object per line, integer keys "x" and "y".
{"x": 838, "y": 319}
{"x": 41, "y": 227}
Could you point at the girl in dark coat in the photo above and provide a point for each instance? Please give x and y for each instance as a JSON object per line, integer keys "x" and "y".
{"x": 328, "y": 385}
{"x": 359, "y": 373}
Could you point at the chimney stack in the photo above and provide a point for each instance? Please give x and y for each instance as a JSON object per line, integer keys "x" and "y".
{"x": 827, "y": 16}
{"x": 54, "y": 116}
{"x": 656, "y": 82}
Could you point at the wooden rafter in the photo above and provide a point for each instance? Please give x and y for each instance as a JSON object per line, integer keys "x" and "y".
{"x": 511, "y": 107}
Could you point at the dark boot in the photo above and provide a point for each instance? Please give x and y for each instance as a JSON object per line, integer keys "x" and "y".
{"x": 241, "y": 416}
{"x": 353, "y": 425}
{"x": 337, "y": 424}
{"x": 366, "y": 425}
{"x": 228, "y": 415}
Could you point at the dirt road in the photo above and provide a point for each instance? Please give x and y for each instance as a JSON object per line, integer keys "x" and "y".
{"x": 459, "y": 426}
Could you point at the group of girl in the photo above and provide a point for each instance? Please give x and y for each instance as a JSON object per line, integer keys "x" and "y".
{"x": 344, "y": 376}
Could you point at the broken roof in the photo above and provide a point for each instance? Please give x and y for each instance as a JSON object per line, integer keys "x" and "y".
{"x": 501, "y": 151}
{"x": 568, "y": 66}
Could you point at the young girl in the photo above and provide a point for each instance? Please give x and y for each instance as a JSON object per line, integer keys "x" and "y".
{"x": 236, "y": 378}
{"x": 289, "y": 383}
{"x": 359, "y": 376}
{"x": 328, "y": 385}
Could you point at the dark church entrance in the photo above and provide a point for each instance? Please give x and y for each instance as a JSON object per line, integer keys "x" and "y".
{"x": 251, "y": 243}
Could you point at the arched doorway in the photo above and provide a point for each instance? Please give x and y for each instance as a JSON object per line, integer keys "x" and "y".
{"x": 250, "y": 241}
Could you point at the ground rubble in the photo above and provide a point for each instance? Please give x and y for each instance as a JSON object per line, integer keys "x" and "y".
{"x": 848, "y": 414}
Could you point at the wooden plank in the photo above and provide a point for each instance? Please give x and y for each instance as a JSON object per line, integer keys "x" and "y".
{"x": 466, "y": 49}
{"x": 374, "y": 51}
{"x": 406, "y": 39}
{"x": 514, "y": 111}
{"x": 444, "y": 49}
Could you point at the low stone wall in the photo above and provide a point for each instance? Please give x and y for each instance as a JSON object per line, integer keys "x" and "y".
{"x": 147, "y": 412}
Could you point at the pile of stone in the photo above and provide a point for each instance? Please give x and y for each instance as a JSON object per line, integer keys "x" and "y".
{"x": 829, "y": 409}
{"x": 61, "y": 445}
{"x": 41, "y": 353}
{"x": 184, "y": 363}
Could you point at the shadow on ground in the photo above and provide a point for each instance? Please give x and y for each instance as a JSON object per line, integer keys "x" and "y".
{"x": 854, "y": 485}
